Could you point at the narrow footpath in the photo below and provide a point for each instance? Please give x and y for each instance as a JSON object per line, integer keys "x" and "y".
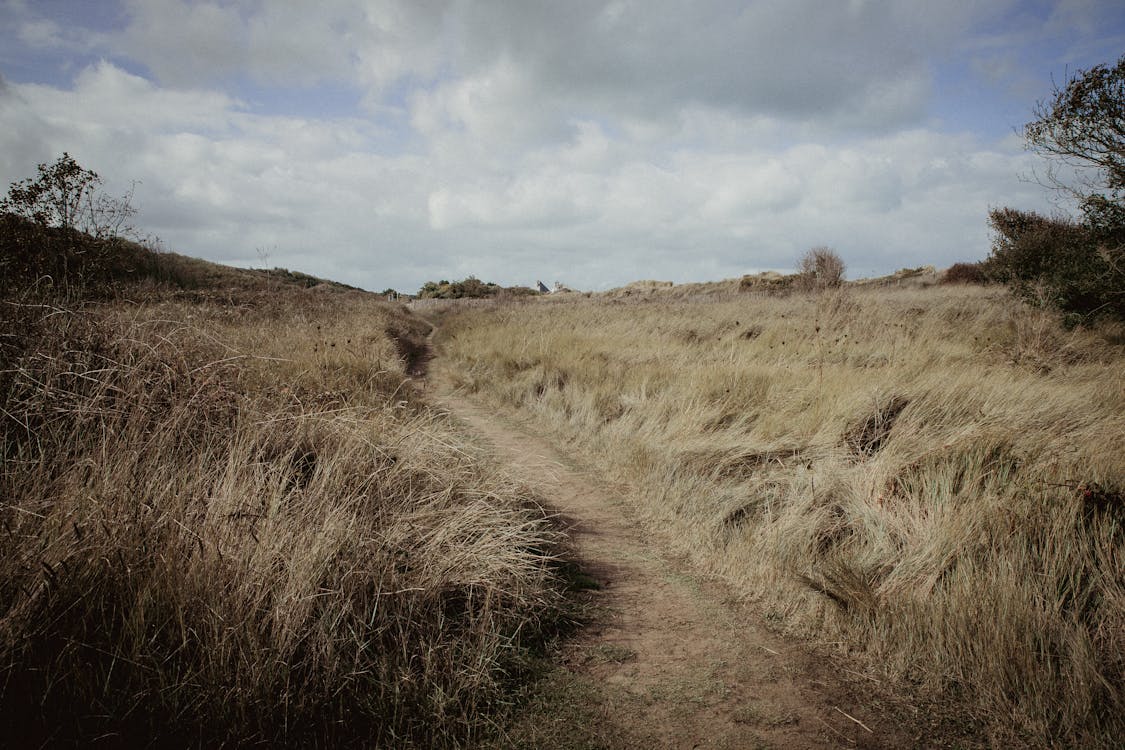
{"x": 679, "y": 663}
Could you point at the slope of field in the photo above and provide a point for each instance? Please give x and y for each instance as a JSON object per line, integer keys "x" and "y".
{"x": 231, "y": 519}
{"x": 58, "y": 263}
{"x": 930, "y": 476}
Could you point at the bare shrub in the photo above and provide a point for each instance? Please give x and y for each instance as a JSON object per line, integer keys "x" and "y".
{"x": 66, "y": 196}
{"x": 820, "y": 268}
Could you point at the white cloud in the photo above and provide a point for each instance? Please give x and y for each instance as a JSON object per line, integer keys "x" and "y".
{"x": 104, "y": 93}
{"x": 223, "y": 183}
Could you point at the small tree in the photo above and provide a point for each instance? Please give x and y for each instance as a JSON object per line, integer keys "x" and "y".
{"x": 821, "y": 268}
{"x": 1077, "y": 266}
{"x": 66, "y": 196}
{"x": 1082, "y": 125}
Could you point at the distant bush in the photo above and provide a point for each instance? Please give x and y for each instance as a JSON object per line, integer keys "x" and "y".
{"x": 1059, "y": 262}
{"x": 768, "y": 281}
{"x": 470, "y": 288}
{"x": 820, "y": 268}
{"x": 966, "y": 273}
{"x": 521, "y": 291}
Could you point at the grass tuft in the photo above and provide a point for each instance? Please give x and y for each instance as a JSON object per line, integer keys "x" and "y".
{"x": 236, "y": 521}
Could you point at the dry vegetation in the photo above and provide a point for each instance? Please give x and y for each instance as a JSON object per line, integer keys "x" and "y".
{"x": 230, "y": 519}
{"x": 930, "y": 476}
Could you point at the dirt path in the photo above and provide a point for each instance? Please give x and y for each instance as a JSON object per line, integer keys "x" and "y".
{"x": 679, "y": 664}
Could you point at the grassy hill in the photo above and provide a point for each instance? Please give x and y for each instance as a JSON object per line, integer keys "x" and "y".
{"x": 66, "y": 262}
{"x": 228, "y": 517}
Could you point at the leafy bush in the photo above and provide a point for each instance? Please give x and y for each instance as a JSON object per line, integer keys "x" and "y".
{"x": 470, "y": 288}
{"x": 1059, "y": 262}
{"x": 66, "y": 196}
{"x": 1083, "y": 125}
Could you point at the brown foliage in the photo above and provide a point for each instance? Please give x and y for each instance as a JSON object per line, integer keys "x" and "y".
{"x": 966, "y": 273}
{"x": 820, "y": 268}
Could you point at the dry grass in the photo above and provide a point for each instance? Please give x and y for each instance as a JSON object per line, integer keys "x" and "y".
{"x": 930, "y": 475}
{"x": 237, "y": 522}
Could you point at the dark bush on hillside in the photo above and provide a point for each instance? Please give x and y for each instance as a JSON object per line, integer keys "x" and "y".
{"x": 65, "y": 260}
{"x": 966, "y": 273}
{"x": 1058, "y": 262}
{"x": 65, "y": 264}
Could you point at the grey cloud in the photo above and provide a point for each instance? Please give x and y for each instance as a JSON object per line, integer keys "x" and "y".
{"x": 185, "y": 44}
{"x": 795, "y": 58}
{"x": 293, "y": 44}
{"x": 864, "y": 62}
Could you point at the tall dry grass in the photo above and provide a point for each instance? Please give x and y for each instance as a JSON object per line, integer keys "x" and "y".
{"x": 237, "y": 523}
{"x": 931, "y": 476}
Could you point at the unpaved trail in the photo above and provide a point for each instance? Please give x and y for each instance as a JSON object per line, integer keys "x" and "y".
{"x": 680, "y": 664}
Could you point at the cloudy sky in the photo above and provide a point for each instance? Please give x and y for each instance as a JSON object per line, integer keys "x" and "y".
{"x": 385, "y": 143}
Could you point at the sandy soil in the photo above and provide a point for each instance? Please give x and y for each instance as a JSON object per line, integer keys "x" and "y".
{"x": 679, "y": 662}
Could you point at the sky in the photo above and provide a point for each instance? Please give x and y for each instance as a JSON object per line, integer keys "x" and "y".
{"x": 386, "y": 143}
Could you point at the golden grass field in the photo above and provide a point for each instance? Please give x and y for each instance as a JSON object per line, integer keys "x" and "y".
{"x": 229, "y": 518}
{"x": 230, "y": 515}
{"x": 930, "y": 477}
